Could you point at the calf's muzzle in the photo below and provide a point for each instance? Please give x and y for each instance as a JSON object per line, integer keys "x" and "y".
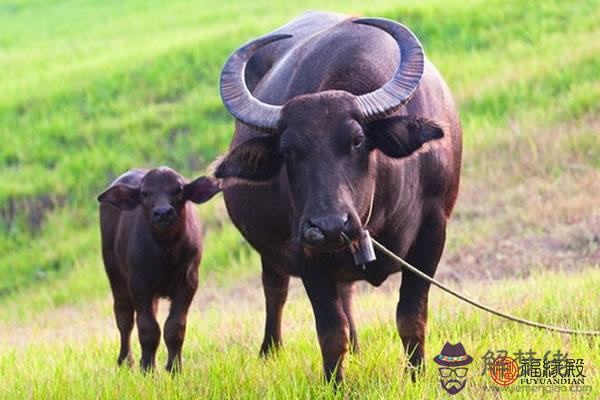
{"x": 163, "y": 215}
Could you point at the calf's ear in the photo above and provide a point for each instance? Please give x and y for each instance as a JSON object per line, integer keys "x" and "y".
{"x": 401, "y": 136}
{"x": 202, "y": 189}
{"x": 125, "y": 197}
{"x": 256, "y": 160}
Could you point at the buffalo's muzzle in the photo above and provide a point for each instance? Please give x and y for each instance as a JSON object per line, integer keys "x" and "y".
{"x": 313, "y": 235}
{"x": 325, "y": 231}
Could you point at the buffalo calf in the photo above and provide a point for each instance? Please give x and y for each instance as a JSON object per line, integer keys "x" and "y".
{"x": 151, "y": 246}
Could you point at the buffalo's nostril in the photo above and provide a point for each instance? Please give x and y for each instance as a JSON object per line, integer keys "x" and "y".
{"x": 313, "y": 235}
{"x": 326, "y": 229}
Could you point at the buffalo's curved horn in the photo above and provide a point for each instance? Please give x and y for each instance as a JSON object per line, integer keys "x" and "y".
{"x": 396, "y": 92}
{"x": 235, "y": 94}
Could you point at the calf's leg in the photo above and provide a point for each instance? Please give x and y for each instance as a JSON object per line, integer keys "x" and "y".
{"x": 123, "y": 309}
{"x": 124, "y": 315}
{"x": 175, "y": 326}
{"x": 148, "y": 332}
{"x": 275, "y": 287}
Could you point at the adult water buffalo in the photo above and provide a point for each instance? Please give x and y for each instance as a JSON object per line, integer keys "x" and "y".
{"x": 330, "y": 141}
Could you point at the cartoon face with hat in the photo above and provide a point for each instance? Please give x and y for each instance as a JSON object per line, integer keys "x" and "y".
{"x": 453, "y": 373}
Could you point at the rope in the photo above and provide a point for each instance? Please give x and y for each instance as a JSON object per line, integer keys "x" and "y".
{"x": 370, "y": 207}
{"x": 476, "y": 303}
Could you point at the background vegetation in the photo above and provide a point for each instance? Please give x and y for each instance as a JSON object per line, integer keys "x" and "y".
{"x": 91, "y": 89}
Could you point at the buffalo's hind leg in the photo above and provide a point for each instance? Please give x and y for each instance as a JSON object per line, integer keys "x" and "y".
{"x": 275, "y": 287}
{"x": 411, "y": 314}
{"x": 346, "y": 292}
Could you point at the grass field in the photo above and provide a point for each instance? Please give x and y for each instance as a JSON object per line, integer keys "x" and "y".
{"x": 90, "y": 89}
{"x": 76, "y": 358}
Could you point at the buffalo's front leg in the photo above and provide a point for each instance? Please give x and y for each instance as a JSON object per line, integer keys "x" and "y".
{"x": 275, "y": 286}
{"x": 411, "y": 314}
{"x": 330, "y": 318}
{"x": 346, "y": 292}
{"x": 175, "y": 325}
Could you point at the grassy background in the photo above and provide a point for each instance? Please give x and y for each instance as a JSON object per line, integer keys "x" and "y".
{"x": 90, "y": 89}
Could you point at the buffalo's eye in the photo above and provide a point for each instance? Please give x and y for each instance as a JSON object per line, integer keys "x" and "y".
{"x": 177, "y": 191}
{"x": 358, "y": 141}
{"x": 145, "y": 194}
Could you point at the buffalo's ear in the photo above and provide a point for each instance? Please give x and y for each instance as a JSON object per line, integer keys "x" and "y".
{"x": 256, "y": 160}
{"x": 202, "y": 189}
{"x": 125, "y": 197}
{"x": 401, "y": 136}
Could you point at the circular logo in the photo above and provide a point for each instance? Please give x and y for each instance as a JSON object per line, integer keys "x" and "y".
{"x": 504, "y": 371}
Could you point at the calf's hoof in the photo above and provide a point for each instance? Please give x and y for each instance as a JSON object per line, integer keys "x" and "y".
{"x": 268, "y": 349}
{"x": 146, "y": 367}
{"x": 126, "y": 360}
{"x": 173, "y": 367}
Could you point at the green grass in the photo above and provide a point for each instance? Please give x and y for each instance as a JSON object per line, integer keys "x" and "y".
{"x": 221, "y": 351}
